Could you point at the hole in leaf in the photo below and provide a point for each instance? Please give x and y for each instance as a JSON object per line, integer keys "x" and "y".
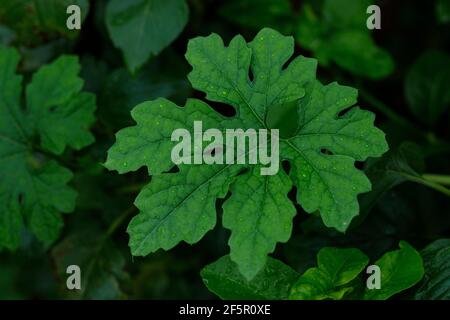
{"x": 326, "y": 151}
{"x": 174, "y": 169}
{"x": 342, "y": 113}
{"x": 286, "y": 165}
{"x": 20, "y": 199}
{"x": 251, "y": 76}
{"x": 222, "y": 108}
{"x": 288, "y": 62}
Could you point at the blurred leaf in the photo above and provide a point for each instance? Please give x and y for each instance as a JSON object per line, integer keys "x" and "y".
{"x": 39, "y": 21}
{"x": 100, "y": 262}
{"x": 339, "y": 33}
{"x": 400, "y": 270}
{"x": 443, "y": 11}
{"x": 436, "y": 282}
{"x": 142, "y": 28}
{"x": 271, "y": 283}
{"x": 427, "y": 86}
{"x": 33, "y": 188}
{"x": 6, "y": 35}
{"x": 336, "y": 267}
{"x": 34, "y": 58}
{"x": 162, "y": 77}
{"x": 257, "y": 14}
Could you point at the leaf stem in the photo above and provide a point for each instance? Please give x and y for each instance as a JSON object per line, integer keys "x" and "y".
{"x": 132, "y": 188}
{"x": 422, "y": 180}
{"x": 438, "y": 178}
{"x": 117, "y": 222}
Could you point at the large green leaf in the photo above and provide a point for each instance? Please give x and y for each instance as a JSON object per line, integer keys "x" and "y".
{"x": 322, "y": 150}
{"x": 33, "y": 187}
{"x": 436, "y": 282}
{"x": 271, "y": 283}
{"x": 142, "y": 28}
{"x": 427, "y": 86}
{"x": 400, "y": 270}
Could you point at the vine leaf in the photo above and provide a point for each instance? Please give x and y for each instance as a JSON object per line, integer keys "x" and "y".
{"x": 322, "y": 150}
{"x": 33, "y": 187}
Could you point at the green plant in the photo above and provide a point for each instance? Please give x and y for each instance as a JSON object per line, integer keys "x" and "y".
{"x": 342, "y": 214}
{"x": 338, "y": 276}
{"x": 321, "y": 150}
{"x": 33, "y": 188}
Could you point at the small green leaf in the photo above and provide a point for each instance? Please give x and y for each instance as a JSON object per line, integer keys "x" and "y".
{"x": 336, "y": 268}
{"x": 62, "y": 114}
{"x": 427, "y": 86}
{"x": 436, "y": 282}
{"x": 142, "y": 28}
{"x": 400, "y": 270}
{"x": 342, "y": 265}
{"x": 271, "y": 283}
{"x": 316, "y": 284}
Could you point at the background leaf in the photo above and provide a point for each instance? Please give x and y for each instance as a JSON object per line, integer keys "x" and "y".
{"x": 427, "y": 86}
{"x": 273, "y": 282}
{"x": 142, "y": 28}
{"x": 38, "y": 21}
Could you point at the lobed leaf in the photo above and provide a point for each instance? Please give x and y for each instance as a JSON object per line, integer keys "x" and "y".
{"x": 326, "y": 181}
{"x": 33, "y": 188}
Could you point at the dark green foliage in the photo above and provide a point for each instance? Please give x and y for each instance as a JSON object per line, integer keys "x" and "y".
{"x": 364, "y": 172}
